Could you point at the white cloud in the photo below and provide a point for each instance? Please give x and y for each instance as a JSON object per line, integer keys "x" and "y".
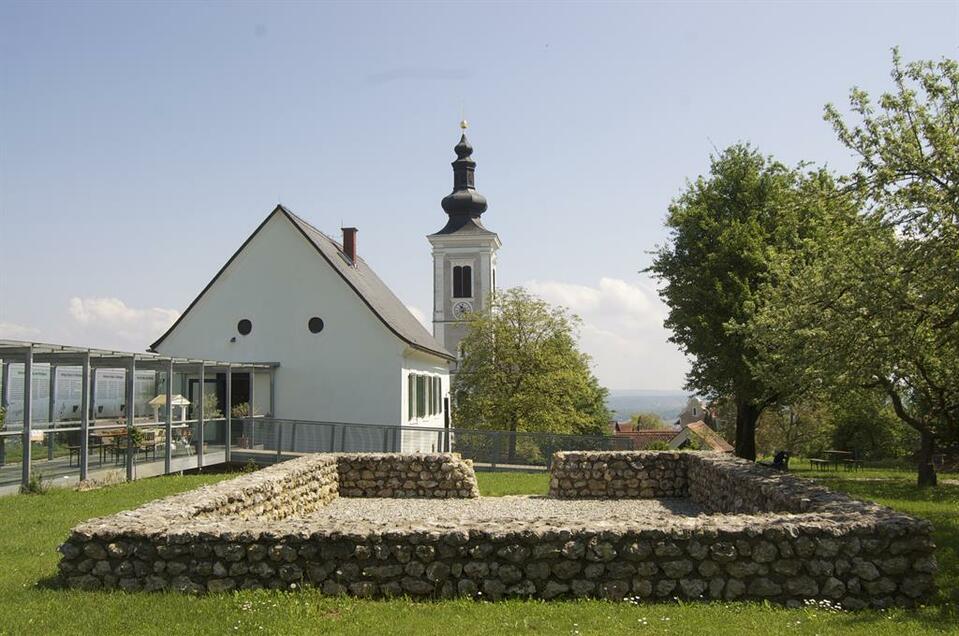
{"x": 13, "y": 331}
{"x": 622, "y": 331}
{"x": 419, "y": 315}
{"x": 110, "y": 322}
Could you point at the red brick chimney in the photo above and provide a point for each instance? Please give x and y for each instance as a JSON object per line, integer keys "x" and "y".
{"x": 349, "y": 243}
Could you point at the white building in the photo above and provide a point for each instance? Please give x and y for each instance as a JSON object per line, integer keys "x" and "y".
{"x": 349, "y": 351}
{"x": 694, "y": 412}
{"x": 464, "y": 254}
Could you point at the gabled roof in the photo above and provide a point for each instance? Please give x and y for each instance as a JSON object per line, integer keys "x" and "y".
{"x": 361, "y": 279}
{"x": 644, "y": 437}
{"x": 710, "y": 437}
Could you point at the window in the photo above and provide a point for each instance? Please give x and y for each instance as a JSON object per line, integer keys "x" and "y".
{"x": 244, "y": 327}
{"x": 421, "y": 396}
{"x": 424, "y": 396}
{"x": 462, "y": 281}
{"x": 429, "y": 395}
{"x": 411, "y": 397}
{"x": 315, "y": 325}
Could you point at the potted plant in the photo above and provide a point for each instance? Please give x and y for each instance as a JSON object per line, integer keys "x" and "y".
{"x": 135, "y": 439}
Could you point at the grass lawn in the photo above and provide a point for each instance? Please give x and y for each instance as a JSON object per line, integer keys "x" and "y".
{"x": 31, "y": 527}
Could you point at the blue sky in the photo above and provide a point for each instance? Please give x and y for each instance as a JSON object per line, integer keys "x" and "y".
{"x": 140, "y": 144}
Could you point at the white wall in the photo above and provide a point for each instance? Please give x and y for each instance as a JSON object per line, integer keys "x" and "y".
{"x": 349, "y": 372}
{"x": 417, "y": 362}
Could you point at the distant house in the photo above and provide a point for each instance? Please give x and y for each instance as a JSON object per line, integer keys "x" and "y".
{"x": 699, "y": 435}
{"x": 642, "y": 438}
{"x": 694, "y": 412}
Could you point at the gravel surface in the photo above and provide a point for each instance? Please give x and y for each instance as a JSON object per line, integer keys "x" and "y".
{"x": 446, "y": 513}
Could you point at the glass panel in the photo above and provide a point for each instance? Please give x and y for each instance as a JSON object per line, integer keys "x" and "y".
{"x": 421, "y": 396}
{"x": 410, "y": 396}
{"x": 429, "y": 395}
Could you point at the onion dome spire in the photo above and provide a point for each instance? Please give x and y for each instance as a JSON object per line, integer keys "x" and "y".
{"x": 464, "y": 202}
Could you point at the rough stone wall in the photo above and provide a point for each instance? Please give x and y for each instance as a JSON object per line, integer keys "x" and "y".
{"x": 722, "y": 483}
{"x": 285, "y": 490}
{"x": 857, "y": 564}
{"x": 433, "y": 475}
{"x": 618, "y": 475}
{"x": 815, "y": 545}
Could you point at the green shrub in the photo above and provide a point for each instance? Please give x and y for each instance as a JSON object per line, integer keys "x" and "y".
{"x": 35, "y": 486}
{"x": 241, "y": 410}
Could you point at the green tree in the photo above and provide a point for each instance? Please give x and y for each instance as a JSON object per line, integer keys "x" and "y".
{"x": 725, "y": 232}
{"x": 878, "y": 305}
{"x": 522, "y": 371}
{"x": 866, "y": 423}
{"x": 908, "y": 173}
{"x": 648, "y": 421}
{"x": 805, "y": 428}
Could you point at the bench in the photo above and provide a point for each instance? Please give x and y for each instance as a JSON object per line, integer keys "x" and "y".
{"x": 819, "y": 464}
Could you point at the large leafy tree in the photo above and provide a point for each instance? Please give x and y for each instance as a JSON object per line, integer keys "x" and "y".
{"x": 648, "y": 421}
{"x": 522, "y": 371}
{"x": 726, "y": 230}
{"x": 878, "y": 306}
{"x": 803, "y": 428}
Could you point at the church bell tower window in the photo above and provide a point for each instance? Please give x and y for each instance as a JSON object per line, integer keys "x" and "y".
{"x": 462, "y": 281}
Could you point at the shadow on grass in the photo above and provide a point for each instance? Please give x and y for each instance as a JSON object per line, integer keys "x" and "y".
{"x": 51, "y": 582}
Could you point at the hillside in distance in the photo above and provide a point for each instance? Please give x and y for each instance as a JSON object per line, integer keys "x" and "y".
{"x": 666, "y": 404}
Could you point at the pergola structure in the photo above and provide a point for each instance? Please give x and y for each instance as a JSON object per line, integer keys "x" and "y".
{"x": 28, "y": 353}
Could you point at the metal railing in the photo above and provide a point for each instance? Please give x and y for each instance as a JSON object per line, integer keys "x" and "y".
{"x": 63, "y": 454}
{"x": 283, "y": 439}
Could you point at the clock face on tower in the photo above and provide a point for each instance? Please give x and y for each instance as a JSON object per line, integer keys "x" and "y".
{"x": 461, "y": 308}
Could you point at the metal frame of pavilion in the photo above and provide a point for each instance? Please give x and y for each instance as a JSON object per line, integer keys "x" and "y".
{"x": 88, "y": 359}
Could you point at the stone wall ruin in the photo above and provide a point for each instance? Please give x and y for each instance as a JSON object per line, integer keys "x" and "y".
{"x": 769, "y": 536}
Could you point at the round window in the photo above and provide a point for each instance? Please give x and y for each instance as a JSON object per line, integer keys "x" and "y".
{"x": 315, "y": 324}
{"x": 244, "y": 327}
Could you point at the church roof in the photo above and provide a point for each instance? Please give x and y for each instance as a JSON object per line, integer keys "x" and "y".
{"x": 361, "y": 279}
{"x": 464, "y": 225}
{"x": 464, "y": 204}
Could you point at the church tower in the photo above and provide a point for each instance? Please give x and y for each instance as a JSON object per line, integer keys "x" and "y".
{"x": 464, "y": 254}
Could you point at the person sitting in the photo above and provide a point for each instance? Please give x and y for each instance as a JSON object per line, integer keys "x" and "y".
{"x": 780, "y": 461}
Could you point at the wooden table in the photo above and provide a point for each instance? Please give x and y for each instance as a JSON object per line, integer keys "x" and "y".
{"x": 837, "y": 456}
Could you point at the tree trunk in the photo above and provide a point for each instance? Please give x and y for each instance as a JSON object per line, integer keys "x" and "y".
{"x": 927, "y": 471}
{"x": 746, "y": 416}
{"x": 511, "y": 447}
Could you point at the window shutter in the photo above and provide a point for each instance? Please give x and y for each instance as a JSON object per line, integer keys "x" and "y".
{"x": 411, "y": 396}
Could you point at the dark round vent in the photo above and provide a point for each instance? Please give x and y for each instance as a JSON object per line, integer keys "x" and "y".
{"x": 315, "y": 325}
{"x": 244, "y": 327}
